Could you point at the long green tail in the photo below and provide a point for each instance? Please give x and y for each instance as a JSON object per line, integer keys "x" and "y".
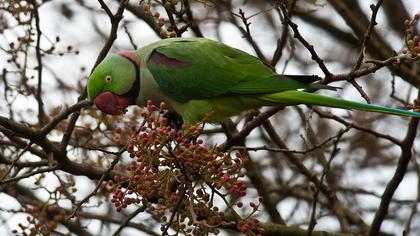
{"x": 294, "y": 97}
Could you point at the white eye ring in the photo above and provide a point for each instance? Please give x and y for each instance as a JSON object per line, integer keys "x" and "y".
{"x": 108, "y": 79}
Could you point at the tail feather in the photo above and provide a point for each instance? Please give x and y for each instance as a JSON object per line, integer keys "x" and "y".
{"x": 298, "y": 97}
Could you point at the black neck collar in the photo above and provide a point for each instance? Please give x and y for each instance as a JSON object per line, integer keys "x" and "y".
{"x": 135, "y": 88}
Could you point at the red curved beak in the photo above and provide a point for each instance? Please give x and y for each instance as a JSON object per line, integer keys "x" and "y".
{"x": 112, "y": 104}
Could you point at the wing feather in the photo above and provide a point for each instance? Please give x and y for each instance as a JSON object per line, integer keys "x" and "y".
{"x": 199, "y": 68}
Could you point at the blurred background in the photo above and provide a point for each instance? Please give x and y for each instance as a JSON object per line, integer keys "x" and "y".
{"x": 317, "y": 168}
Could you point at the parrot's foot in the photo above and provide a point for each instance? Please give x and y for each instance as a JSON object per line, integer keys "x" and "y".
{"x": 174, "y": 119}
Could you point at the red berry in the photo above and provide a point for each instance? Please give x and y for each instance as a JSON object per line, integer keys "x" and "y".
{"x": 118, "y": 141}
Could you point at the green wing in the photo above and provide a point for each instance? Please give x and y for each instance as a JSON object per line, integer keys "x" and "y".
{"x": 200, "y": 68}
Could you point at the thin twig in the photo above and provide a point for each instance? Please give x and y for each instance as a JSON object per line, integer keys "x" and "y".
{"x": 335, "y": 151}
{"x": 130, "y": 37}
{"x": 22, "y": 164}
{"x": 360, "y": 90}
{"x": 393, "y": 93}
{"x": 41, "y": 112}
{"x": 331, "y": 196}
{"x": 356, "y": 126}
{"x": 257, "y": 121}
{"x": 299, "y": 37}
{"x": 376, "y": 65}
{"x": 414, "y": 210}
{"x": 177, "y": 206}
{"x": 366, "y": 37}
{"x": 101, "y": 180}
{"x": 403, "y": 161}
{"x": 193, "y": 24}
{"x": 281, "y": 43}
{"x": 63, "y": 115}
{"x": 270, "y": 149}
{"x": 115, "y": 19}
{"x": 32, "y": 173}
{"x": 15, "y": 161}
{"x": 248, "y": 36}
{"x": 127, "y": 220}
{"x": 107, "y": 10}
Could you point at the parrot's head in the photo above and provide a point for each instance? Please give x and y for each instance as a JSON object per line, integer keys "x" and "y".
{"x": 114, "y": 83}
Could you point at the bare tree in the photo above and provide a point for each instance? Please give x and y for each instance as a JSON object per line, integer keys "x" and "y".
{"x": 66, "y": 168}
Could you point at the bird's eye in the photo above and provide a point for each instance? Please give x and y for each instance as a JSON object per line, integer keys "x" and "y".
{"x": 108, "y": 79}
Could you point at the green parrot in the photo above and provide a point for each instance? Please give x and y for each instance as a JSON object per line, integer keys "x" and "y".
{"x": 198, "y": 77}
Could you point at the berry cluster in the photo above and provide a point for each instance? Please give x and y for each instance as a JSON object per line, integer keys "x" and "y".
{"x": 20, "y": 10}
{"x": 412, "y": 39}
{"x": 182, "y": 181}
{"x": 42, "y": 220}
{"x": 160, "y": 22}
